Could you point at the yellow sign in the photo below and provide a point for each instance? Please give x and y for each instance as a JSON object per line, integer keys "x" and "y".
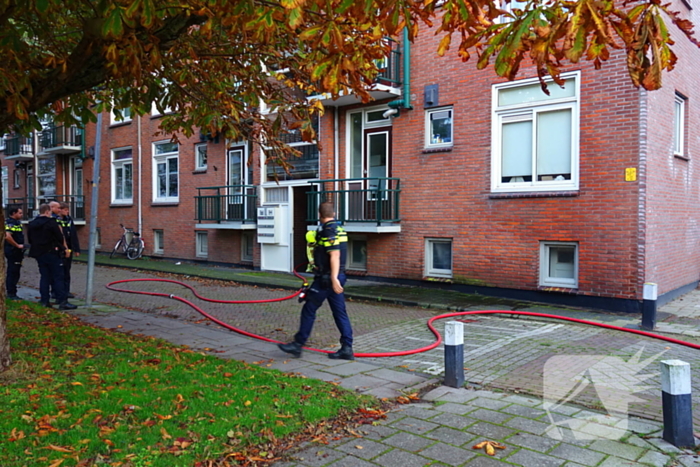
{"x": 631, "y": 174}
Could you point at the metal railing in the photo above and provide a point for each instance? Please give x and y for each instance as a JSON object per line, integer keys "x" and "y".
{"x": 390, "y": 67}
{"x": 231, "y": 203}
{"x": 59, "y": 136}
{"x": 29, "y": 206}
{"x": 19, "y": 146}
{"x": 375, "y": 200}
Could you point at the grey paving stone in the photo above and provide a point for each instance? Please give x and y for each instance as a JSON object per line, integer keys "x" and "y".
{"x": 316, "y": 456}
{"x": 460, "y": 396}
{"x": 528, "y": 425}
{"x": 351, "y": 369}
{"x": 583, "y": 456}
{"x": 408, "y": 442}
{"x": 617, "y": 448}
{"x": 422, "y": 412}
{"x": 484, "y": 461}
{"x": 529, "y": 401}
{"x": 532, "y": 442}
{"x": 531, "y": 458}
{"x": 349, "y": 461}
{"x": 399, "y": 458}
{"x": 688, "y": 460}
{"x": 454, "y": 421}
{"x": 490, "y": 431}
{"x": 378, "y": 432}
{"x": 363, "y": 448}
{"x": 450, "y": 455}
{"x": 654, "y": 458}
{"x": 397, "y": 376}
{"x": 451, "y": 407}
{"x": 492, "y": 416}
{"x": 316, "y": 374}
{"x": 524, "y": 411}
{"x": 449, "y": 435}
{"x": 389, "y": 391}
{"x": 612, "y": 461}
{"x": 361, "y": 382}
{"x": 488, "y": 403}
{"x": 414, "y": 425}
{"x": 664, "y": 446}
{"x": 643, "y": 427}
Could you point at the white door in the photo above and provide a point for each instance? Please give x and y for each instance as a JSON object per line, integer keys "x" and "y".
{"x": 278, "y": 256}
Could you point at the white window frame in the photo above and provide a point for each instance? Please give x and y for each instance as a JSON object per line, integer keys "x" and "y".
{"x": 679, "y": 125}
{"x": 202, "y": 244}
{"x": 247, "y": 240}
{"x": 429, "y": 143}
{"x": 125, "y": 118}
{"x": 430, "y": 271}
{"x": 529, "y": 111}
{"x": 156, "y": 113}
{"x": 121, "y": 164}
{"x": 158, "y": 241}
{"x": 164, "y": 159}
{"x": 197, "y": 156}
{"x": 5, "y": 185}
{"x": 545, "y": 279}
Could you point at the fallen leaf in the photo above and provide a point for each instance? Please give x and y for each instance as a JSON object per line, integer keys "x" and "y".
{"x": 53, "y": 447}
{"x": 359, "y": 447}
{"x": 76, "y": 383}
{"x": 247, "y": 403}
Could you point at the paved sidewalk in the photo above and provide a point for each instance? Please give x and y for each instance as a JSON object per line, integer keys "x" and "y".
{"x": 500, "y": 352}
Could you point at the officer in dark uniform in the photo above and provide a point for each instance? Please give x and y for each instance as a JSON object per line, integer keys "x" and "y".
{"x": 14, "y": 250}
{"x": 330, "y": 256}
{"x": 72, "y": 243}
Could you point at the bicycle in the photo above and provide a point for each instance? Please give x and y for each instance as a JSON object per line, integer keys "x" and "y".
{"x": 130, "y": 244}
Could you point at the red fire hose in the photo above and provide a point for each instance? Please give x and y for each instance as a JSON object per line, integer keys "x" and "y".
{"x": 438, "y": 337}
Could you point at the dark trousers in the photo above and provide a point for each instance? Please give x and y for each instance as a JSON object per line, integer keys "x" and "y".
{"x": 67, "y": 264}
{"x": 51, "y": 270}
{"x": 315, "y": 298}
{"x": 14, "y": 267}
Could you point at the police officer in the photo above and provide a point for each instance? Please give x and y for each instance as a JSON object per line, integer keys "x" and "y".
{"x": 330, "y": 256}
{"x": 14, "y": 250}
{"x": 72, "y": 243}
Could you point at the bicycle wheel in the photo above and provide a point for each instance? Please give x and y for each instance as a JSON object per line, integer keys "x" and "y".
{"x": 135, "y": 249}
{"x": 118, "y": 247}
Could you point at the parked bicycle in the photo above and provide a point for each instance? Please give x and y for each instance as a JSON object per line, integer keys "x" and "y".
{"x": 130, "y": 244}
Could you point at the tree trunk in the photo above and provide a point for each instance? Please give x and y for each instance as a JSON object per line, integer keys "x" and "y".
{"x": 5, "y": 357}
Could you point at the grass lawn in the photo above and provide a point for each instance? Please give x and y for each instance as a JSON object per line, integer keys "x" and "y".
{"x": 78, "y": 395}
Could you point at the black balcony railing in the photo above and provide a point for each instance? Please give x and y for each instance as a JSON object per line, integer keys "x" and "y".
{"x": 61, "y": 136}
{"x": 232, "y": 203}
{"x": 356, "y": 200}
{"x": 76, "y": 205}
{"x": 17, "y": 145}
{"x": 390, "y": 66}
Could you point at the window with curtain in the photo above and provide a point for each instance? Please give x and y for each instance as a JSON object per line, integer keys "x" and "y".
{"x": 535, "y": 136}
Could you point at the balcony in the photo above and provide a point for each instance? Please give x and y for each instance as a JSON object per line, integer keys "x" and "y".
{"x": 30, "y": 206}
{"x": 226, "y": 207}
{"x": 387, "y": 84}
{"x": 60, "y": 140}
{"x": 362, "y": 204}
{"x": 19, "y": 148}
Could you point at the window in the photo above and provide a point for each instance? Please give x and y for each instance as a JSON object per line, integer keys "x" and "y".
{"x": 438, "y": 257}
{"x": 679, "y": 126}
{"x": 158, "y": 242}
{"x": 5, "y": 185}
{"x": 438, "y": 128}
{"x": 247, "y": 246}
{"x": 559, "y": 264}
{"x": 511, "y": 7}
{"x": 165, "y": 172}
{"x": 16, "y": 177}
{"x": 357, "y": 253}
{"x": 535, "y": 136}
{"x": 201, "y": 244}
{"x": 120, "y": 116}
{"x": 46, "y": 178}
{"x": 122, "y": 176}
{"x": 98, "y": 238}
{"x": 303, "y": 167}
{"x": 200, "y": 155}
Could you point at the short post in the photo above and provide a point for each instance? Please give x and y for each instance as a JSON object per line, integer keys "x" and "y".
{"x": 454, "y": 354}
{"x": 649, "y": 306}
{"x": 676, "y": 403}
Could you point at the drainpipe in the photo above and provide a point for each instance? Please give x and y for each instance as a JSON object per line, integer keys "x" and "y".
{"x": 405, "y": 102}
{"x": 139, "y": 152}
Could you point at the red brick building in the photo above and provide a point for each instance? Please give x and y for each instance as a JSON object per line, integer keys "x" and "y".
{"x": 451, "y": 177}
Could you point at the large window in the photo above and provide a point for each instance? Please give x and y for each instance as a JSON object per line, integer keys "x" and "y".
{"x": 46, "y": 177}
{"x": 122, "y": 176}
{"x": 165, "y": 172}
{"x": 438, "y": 128}
{"x": 303, "y": 167}
{"x": 679, "y": 126}
{"x": 559, "y": 264}
{"x": 5, "y": 185}
{"x": 535, "y": 136}
{"x": 438, "y": 257}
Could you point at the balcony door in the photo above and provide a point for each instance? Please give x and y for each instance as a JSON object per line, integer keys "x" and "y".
{"x": 239, "y": 176}
{"x": 77, "y": 200}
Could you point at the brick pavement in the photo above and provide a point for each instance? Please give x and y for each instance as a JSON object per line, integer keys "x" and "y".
{"x": 500, "y": 353}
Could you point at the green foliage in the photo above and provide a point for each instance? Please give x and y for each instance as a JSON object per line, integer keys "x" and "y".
{"x": 85, "y": 396}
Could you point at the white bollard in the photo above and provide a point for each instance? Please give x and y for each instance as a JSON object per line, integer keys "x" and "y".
{"x": 677, "y": 403}
{"x": 454, "y": 354}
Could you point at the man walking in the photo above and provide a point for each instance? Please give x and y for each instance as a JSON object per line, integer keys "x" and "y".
{"x": 72, "y": 244}
{"x": 330, "y": 256}
{"x": 14, "y": 250}
{"x": 47, "y": 247}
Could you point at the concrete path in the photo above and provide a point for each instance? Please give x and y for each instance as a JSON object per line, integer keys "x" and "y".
{"x": 527, "y": 365}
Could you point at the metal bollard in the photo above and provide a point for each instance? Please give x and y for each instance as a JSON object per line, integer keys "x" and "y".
{"x": 454, "y": 354}
{"x": 677, "y": 403}
{"x": 649, "y": 306}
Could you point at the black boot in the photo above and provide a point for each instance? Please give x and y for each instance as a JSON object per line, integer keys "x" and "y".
{"x": 293, "y": 348}
{"x": 67, "y": 306}
{"x": 345, "y": 353}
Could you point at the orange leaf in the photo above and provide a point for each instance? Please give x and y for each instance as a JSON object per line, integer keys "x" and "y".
{"x": 58, "y": 448}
